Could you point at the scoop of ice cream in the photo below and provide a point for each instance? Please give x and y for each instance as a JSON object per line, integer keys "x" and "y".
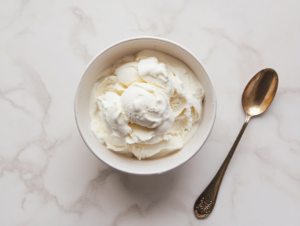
{"x": 127, "y": 73}
{"x": 156, "y": 73}
{"x": 113, "y": 115}
{"x": 148, "y": 106}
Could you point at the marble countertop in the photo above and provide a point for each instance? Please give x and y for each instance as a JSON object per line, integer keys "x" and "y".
{"x": 49, "y": 177}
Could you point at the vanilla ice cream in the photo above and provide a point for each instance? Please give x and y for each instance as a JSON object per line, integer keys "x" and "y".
{"x": 146, "y": 105}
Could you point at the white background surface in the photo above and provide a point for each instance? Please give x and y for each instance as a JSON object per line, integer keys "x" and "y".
{"x": 49, "y": 177}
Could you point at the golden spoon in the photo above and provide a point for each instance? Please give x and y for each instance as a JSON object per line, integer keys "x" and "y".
{"x": 257, "y": 97}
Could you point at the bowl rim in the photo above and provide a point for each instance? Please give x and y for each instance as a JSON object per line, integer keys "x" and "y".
{"x": 132, "y": 39}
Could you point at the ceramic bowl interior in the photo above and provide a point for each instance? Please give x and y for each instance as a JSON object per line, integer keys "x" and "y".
{"x": 106, "y": 59}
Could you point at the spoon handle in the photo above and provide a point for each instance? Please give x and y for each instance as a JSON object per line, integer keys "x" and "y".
{"x": 206, "y": 201}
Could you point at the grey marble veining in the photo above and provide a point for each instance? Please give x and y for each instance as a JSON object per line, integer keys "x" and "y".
{"x": 49, "y": 177}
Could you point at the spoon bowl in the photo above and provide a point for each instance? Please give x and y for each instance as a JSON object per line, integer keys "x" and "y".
{"x": 260, "y": 92}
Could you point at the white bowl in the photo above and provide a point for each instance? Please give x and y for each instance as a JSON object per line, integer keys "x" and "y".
{"x": 105, "y": 59}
